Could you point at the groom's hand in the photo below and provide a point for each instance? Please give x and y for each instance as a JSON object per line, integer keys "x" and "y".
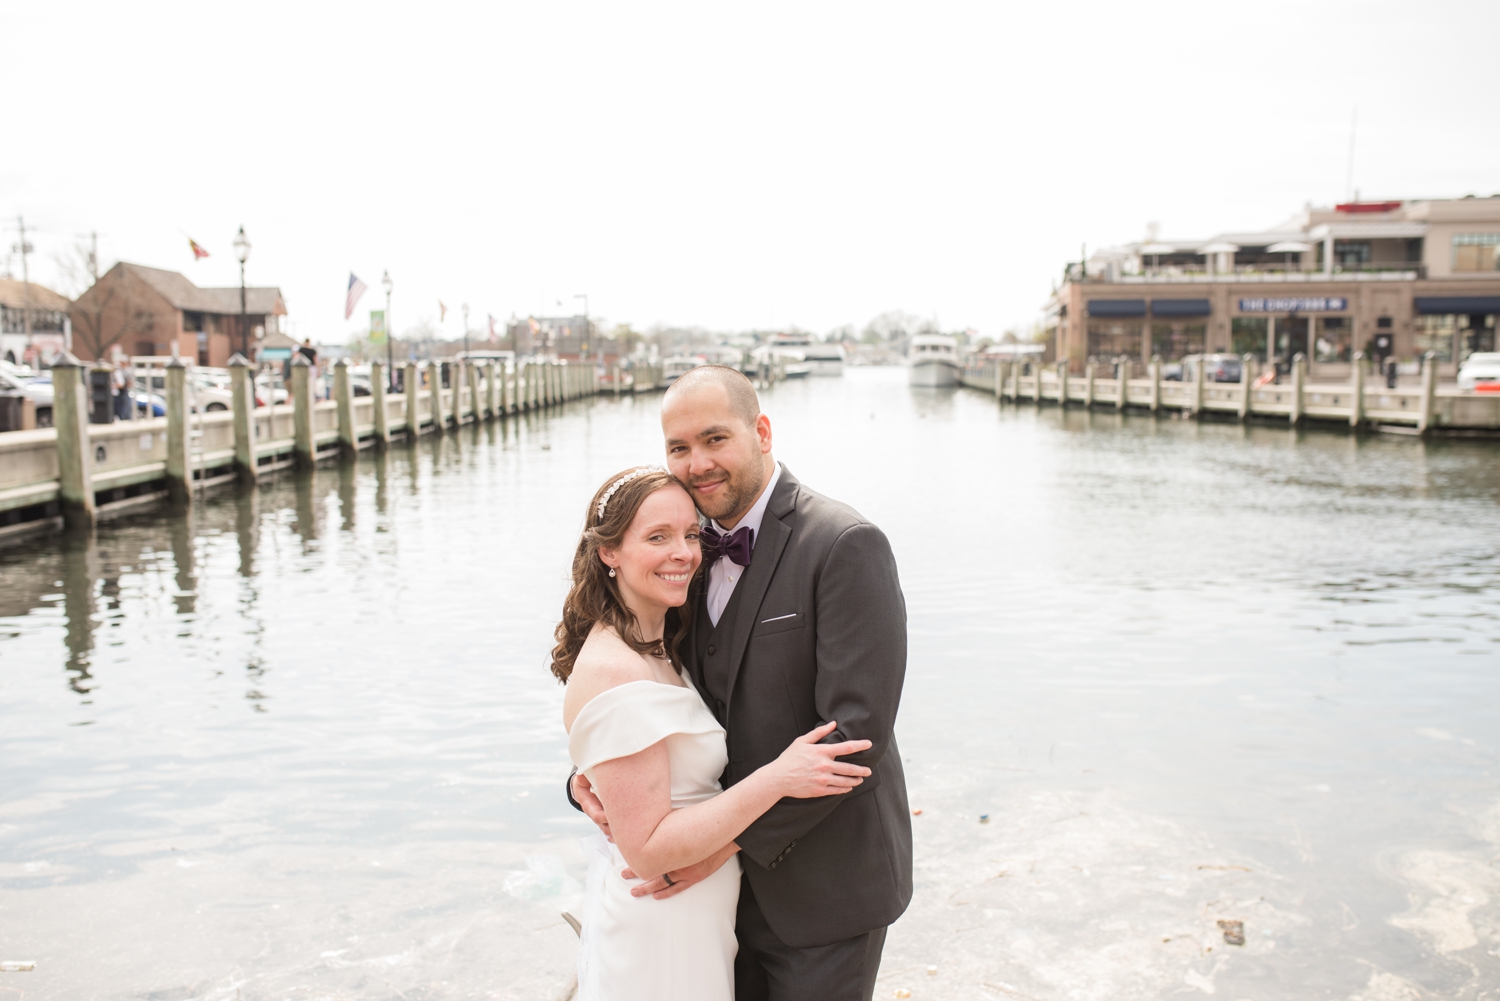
{"x": 583, "y": 792}
{"x": 659, "y": 889}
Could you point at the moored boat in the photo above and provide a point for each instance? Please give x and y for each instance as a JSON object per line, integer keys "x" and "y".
{"x": 932, "y": 360}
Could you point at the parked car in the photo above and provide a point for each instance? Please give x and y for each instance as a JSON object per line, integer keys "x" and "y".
{"x": 149, "y": 404}
{"x": 1216, "y": 368}
{"x": 267, "y": 389}
{"x": 37, "y": 386}
{"x": 1480, "y": 372}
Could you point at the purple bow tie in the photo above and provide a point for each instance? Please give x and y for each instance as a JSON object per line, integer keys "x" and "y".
{"x": 737, "y": 545}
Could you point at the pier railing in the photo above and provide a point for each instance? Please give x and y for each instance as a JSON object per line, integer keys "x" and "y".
{"x": 1355, "y": 404}
{"x": 78, "y": 472}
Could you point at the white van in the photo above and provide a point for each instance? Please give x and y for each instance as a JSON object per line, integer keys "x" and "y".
{"x": 1480, "y": 372}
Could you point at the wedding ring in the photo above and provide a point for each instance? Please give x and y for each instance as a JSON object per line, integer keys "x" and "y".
{"x": 668, "y": 877}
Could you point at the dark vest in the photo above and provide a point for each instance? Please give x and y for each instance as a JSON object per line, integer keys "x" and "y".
{"x": 713, "y": 650}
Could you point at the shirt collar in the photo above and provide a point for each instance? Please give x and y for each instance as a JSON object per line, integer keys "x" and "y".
{"x": 757, "y": 512}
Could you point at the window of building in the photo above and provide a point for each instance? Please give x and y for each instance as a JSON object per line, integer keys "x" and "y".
{"x": 1476, "y": 252}
{"x": 1112, "y": 338}
{"x": 1436, "y": 334}
{"x": 1332, "y": 342}
{"x": 1173, "y": 341}
{"x": 192, "y": 322}
{"x": 1248, "y": 335}
{"x": 1351, "y": 251}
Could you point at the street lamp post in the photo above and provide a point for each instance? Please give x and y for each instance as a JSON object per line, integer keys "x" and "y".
{"x": 390, "y": 335}
{"x": 242, "y": 251}
{"x": 466, "y": 329}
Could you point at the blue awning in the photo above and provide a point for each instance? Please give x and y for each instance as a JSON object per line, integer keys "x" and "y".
{"x": 1180, "y": 307}
{"x": 1117, "y": 307}
{"x": 1441, "y": 304}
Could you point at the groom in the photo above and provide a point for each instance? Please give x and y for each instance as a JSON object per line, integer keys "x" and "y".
{"x": 802, "y": 621}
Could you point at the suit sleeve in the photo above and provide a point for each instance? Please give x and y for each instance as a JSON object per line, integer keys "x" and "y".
{"x": 861, "y": 664}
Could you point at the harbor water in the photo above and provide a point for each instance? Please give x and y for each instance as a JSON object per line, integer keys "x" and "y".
{"x": 303, "y": 743}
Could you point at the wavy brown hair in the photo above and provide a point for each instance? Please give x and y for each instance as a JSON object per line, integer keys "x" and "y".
{"x": 595, "y": 595}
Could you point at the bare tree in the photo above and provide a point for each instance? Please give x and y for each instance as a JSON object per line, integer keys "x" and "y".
{"x": 111, "y": 314}
{"x": 75, "y": 270}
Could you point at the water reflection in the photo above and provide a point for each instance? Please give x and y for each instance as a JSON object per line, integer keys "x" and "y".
{"x": 80, "y": 571}
{"x": 1278, "y": 643}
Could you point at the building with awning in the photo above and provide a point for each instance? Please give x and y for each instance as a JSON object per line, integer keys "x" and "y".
{"x": 1403, "y": 279}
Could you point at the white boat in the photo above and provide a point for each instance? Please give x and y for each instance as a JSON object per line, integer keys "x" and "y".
{"x": 933, "y": 361}
{"x": 802, "y": 356}
{"x": 676, "y": 366}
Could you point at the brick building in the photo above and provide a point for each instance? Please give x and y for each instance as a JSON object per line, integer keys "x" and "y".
{"x": 1402, "y": 278}
{"x": 144, "y": 311}
{"x": 33, "y": 322}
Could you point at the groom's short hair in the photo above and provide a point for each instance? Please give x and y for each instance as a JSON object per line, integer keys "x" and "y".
{"x": 743, "y": 401}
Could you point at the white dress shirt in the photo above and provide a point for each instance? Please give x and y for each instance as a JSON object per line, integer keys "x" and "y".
{"x": 724, "y": 573}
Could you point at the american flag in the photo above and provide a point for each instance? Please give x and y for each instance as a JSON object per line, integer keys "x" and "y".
{"x": 356, "y": 289}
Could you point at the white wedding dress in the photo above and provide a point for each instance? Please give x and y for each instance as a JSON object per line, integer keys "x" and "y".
{"x": 639, "y": 948}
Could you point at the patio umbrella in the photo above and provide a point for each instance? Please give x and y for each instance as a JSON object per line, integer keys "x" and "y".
{"x": 1157, "y": 249}
{"x": 1289, "y": 247}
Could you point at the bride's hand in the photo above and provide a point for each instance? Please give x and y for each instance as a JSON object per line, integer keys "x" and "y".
{"x": 808, "y": 769}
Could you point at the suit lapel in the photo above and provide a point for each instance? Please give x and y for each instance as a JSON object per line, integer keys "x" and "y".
{"x": 774, "y": 535}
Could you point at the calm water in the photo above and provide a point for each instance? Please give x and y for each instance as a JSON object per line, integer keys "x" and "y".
{"x": 303, "y": 743}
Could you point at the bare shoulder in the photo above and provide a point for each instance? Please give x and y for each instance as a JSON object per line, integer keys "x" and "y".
{"x": 605, "y": 662}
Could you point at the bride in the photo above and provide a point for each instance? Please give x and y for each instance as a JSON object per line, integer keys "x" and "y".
{"x": 654, "y": 753}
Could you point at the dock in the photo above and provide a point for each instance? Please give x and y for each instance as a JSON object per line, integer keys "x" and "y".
{"x": 1421, "y": 410}
{"x": 77, "y": 473}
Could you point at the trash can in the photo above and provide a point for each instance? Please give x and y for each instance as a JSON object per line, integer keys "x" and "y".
{"x": 12, "y": 410}
{"x": 101, "y": 396}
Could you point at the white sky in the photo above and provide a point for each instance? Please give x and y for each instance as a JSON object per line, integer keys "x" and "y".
{"x": 745, "y": 166}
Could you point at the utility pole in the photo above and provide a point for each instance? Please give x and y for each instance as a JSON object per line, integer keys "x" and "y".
{"x": 24, "y": 248}
{"x": 466, "y": 330}
{"x": 94, "y": 256}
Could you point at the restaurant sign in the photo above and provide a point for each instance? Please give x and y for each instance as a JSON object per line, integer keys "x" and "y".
{"x": 1296, "y": 304}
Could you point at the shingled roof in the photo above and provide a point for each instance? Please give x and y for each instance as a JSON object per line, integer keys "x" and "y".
{"x": 23, "y": 295}
{"x": 183, "y": 294}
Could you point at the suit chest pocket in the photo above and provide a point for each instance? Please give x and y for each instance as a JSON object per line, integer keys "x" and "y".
{"x": 778, "y": 622}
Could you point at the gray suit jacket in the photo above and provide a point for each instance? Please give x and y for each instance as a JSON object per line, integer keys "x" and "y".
{"x": 816, "y": 632}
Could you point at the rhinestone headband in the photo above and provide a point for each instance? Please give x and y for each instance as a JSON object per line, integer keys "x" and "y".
{"x": 617, "y": 484}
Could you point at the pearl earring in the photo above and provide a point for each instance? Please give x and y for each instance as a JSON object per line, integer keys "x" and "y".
{"x": 611, "y": 571}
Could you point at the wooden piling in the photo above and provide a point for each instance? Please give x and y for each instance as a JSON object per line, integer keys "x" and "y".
{"x": 491, "y": 390}
{"x": 1299, "y": 381}
{"x": 1062, "y": 384}
{"x": 1429, "y": 392}
{"x": 435, "y": 385}
{"x": 179, "y": 434}
{"x": 304, "y": 446}
{"x": 75, "y": 456}
{"x": 378, "y": 381}
{"x": 1247, "y": 386}
{"x": 1154, "y": 371}
{"x": 343, "y": 395}
{"x": 1357, "y": 390}
{"x": 411, "y": 384}
{"x": 242, "y": 385}
{"x": 1124, "y": 383}
{"x": 1197, "y": 397}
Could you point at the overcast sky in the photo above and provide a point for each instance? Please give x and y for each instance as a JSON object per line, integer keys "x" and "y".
{"x": 735, "y": 167}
